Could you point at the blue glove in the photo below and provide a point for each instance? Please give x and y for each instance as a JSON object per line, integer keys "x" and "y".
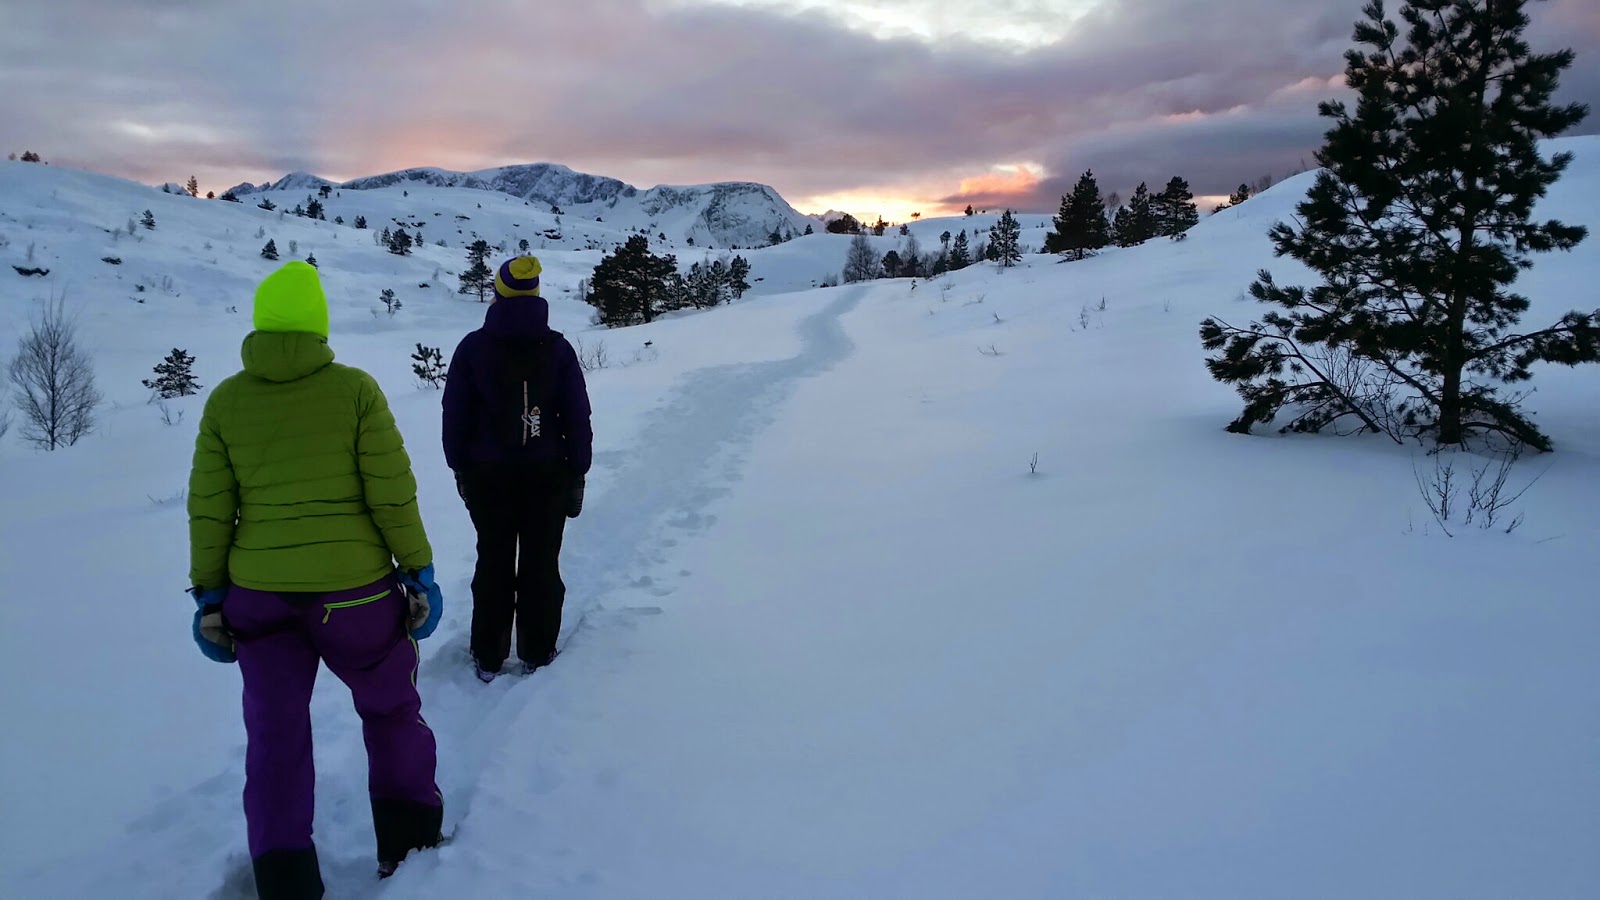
{"x": 211, "y": 633}
{"x": 427, "y": 601}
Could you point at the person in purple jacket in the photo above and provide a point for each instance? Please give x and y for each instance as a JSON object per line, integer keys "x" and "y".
{"x": 517, "y": 436}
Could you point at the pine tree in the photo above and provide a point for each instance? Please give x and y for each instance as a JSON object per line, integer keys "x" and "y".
{"x": 174, "y": 377}
{"x": 270, "y": 251}
{"x": 429, "y": 367}
{"x": 1418, "y": 223}
{"x": 1142, "y": 222}
{"x": 1005, "y": 241}
{"x": 891, "y": 264}
{"x": 1234, "y": 199}
{"x": 861, "y": 262}
{"x": 400, "y": 243}
{"x": 230, "y": 196}
{"x": 390, "y": 301}
{"x": 1081, "y": 225}
{"x": 739, "y": 276}
{"x": 266, "y": 204}
{"x": 311, "y": 260}
{"x": 193, "y": 187}
{"x": 314, "y": 209}
{"x": 211, "y": 195}
{"x": 361, "y": 222}
{"x": 522, "y": 245}
{"x": 879, "y": 227}
{"x": 632, "y": 285}
{"x": 325, "y": 190}
{"x": 478, "y": 278}
{"x": 299, "y": 211}
{"x": 1174, "y": 209}
{"x": 810, "y": 230}
{"x": 960, "y": 253}
{"x": 1122, "y": 228}
{"x": 969, "y": 211}
{"x": 149, "y": 220}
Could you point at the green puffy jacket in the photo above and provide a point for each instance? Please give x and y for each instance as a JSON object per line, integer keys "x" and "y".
{"x": 300, "y": 481}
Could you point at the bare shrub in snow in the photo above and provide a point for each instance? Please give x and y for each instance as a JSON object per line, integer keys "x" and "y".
{"x": 1481, "y": 496}
{"x": 54, "y": 381}
{"x": 592, "y": 357}
{"x": 1033, "y": 465}
{"x": 170, "y": 415}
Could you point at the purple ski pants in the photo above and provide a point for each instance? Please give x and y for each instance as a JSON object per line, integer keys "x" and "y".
{"x": 361, "y": 635}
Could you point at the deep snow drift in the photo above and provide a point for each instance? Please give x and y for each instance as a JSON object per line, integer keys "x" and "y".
{"x": 827, "y": 634}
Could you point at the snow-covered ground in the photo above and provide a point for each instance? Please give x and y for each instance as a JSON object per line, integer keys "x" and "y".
{"x": 827, "y": 634}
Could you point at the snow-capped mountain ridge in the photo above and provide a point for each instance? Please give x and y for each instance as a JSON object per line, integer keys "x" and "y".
{"x": 732, "y": 213}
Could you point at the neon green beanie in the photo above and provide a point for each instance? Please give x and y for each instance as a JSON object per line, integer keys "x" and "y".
{"x": 291, "y": 299}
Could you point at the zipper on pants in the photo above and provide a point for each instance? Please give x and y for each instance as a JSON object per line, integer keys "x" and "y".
{"x": 350, "y": 604}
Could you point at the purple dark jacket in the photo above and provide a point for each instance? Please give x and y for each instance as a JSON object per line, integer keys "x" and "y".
{"x": 467, "y": 432}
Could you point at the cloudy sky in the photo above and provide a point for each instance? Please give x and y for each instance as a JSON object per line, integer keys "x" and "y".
{"x": 887, "y": 106}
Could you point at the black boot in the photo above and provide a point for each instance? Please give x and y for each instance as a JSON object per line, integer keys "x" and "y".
{"x": 403, "y": 826}
{"x": 288, "y": 875}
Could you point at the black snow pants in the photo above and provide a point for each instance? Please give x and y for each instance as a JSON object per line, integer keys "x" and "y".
{"x": 520, "y": 513}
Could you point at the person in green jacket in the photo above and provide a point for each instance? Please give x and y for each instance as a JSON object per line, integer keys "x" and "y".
{"x": 307, "y": 546}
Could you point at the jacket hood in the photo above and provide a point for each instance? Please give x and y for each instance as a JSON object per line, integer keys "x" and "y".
{"x": 517, "y": 317}
{"x": 285, "y": 356}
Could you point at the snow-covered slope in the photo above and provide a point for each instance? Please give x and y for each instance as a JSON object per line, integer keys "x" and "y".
{"x": 727, "y": 214}
{"x": 827, "y": 634}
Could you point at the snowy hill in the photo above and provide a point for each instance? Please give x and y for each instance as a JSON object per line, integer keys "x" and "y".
{"x": 827, "y": 634}
{"x": 729, "y": 214}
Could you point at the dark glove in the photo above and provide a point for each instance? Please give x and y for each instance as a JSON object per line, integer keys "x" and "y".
{"x": 575, "y": 498}
{"x": 426, "y": 602}
{"x": 211, "y": 633}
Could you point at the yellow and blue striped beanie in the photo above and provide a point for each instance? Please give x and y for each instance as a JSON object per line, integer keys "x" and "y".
{"x": 518, "y": 277}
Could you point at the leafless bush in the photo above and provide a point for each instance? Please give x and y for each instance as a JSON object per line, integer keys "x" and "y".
{"x": 593, "y": 357}
{"x": 173, "y": 500}
{"x": 54, "y": 381}
{"x": 990, "y": 350}
{"x": 1487, "y": 491}
{"x": 170, "y": 415}
{"x": 1033, "y": 465}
